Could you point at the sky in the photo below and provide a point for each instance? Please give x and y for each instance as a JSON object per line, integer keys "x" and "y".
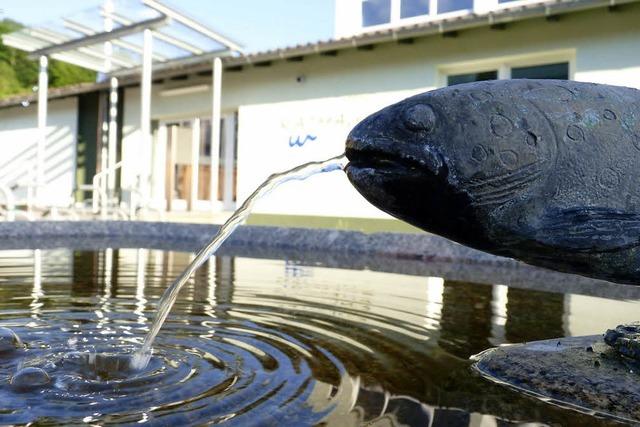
{"x": 256, "y": 24}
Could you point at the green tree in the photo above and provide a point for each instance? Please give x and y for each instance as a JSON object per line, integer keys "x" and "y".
{"x": 19, "y": 74}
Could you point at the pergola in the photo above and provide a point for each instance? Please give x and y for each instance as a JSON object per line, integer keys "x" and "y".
{"x": 117, "y": 39}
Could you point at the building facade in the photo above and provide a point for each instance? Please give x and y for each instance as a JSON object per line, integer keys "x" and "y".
{"x": 286, "y": 107}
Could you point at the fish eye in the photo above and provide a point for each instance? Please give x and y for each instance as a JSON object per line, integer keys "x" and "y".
{"x": 420, "y": 117}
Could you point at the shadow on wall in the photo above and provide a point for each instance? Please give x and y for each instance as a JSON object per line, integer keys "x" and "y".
{"x": 59, "y": 162}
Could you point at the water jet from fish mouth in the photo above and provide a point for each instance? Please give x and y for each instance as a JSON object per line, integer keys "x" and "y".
{"x": 142, "y": 356}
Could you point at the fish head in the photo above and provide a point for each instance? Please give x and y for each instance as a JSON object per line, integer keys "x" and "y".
{"x": 398, "y": 162}
{"x": 443, "y": 159}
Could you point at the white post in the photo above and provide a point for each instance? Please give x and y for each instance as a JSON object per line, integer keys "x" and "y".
{"x": 113, "y": 134}
{"x": 159, "y": 167}
{"x": 395, "y": 11}
{"x": 229, "y": 161}
{"x": 107, "y": 160}
{"x": 195, "y": 161}
{"x": 504, "y": 72}
{"x": 104, "y": 199}
{"x": 433, "y": 8}
{"x": 43, "y": 87}
{"x": 145, "y": 114}
{"x": 215, "y": 129}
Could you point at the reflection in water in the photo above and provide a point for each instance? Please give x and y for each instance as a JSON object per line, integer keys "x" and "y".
{"x": 141, "y": 301}
{"x": 280, "y": 342}
{"x": 36, "y": 293}
{"x": 224, "y": 284}
{"x": 534, "y": 315}
{"x": 499, "y": 309}
{"x": 466, "y": 318}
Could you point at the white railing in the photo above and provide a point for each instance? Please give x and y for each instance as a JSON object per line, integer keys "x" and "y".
{"x": 10, "y": 201}
{"x": 100, "y": 198}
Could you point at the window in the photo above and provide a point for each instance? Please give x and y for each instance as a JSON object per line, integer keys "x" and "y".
{"x": 411, "y": 8}
{"x": 376, "y": 12}
{"x": 471, "y": 77}
{"x": 549, "y": 71}
{"x": 445, "y": 6}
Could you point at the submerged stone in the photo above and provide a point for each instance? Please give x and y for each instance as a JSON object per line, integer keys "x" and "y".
{"x": 9, "y": 340}
{"x": 599, "y": 381}
{"x": 30, "y": 378}
{"x": 544, "y": 171}
{"x": 625, "y": 339}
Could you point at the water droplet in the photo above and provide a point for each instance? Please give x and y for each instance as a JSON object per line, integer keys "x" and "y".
{"x": 30, "y": 378}
{"x": 9, "y": 340}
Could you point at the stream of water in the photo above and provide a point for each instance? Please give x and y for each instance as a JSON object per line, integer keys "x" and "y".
{"x": 142, "y": 356}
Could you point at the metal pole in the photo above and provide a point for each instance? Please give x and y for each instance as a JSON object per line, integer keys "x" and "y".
{"x": 43, "y": 87}
{"x": 215, "y": 129}
{"x": 145, "y": 114}
{"x": 195, "y": 162}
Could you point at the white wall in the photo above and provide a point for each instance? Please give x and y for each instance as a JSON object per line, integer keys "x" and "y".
{"x": 18, "y": 144}
{"x": 348, "y": 17}
{"x": 271, "y": 136}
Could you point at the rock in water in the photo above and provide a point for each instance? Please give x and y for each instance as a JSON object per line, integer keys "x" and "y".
{"x": 625, "y": 339}
{"x": 9, "y": 340}
{"x": 545, "y": 171}
{"x": 29, "y": 378}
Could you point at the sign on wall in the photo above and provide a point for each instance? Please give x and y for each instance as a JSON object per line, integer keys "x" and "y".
{"x": 279, "y": 136}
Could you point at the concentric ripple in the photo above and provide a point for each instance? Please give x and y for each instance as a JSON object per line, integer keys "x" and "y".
{"x": 201, "y": 369}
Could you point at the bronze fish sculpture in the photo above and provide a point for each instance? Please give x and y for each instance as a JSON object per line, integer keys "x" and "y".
{"x": 545, "y": 171}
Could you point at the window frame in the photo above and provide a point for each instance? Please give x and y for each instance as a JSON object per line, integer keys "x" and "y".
{"x": 479, "y": 6}
{"x": 514, "y": 3}
{"x": 367, "y": 27}
{"x": 506, "y": 63}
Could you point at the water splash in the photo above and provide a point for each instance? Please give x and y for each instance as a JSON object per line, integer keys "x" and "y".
{"x": 142, "y": 356}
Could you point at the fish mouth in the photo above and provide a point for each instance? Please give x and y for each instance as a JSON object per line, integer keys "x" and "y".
{"x": 379, "y": 157}
{"x": 378, "y": 160}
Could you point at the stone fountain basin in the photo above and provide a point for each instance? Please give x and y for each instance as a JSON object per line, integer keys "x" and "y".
{"x": 420, "y": 254}
{"x": 581, "y": 373}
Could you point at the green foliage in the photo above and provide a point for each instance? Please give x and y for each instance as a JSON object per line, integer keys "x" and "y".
{"x": 18, "y": 74}
{"x": 63, "y": 74}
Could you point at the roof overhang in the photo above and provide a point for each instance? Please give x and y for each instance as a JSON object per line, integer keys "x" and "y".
{"x": 76, "y": 41}
{"x": 103, "y": 37}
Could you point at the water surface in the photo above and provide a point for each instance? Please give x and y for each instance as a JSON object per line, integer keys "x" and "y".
{"x": 272, "y": 342}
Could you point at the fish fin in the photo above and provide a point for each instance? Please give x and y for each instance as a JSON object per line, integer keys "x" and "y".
{"x": 590, "y": 229}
